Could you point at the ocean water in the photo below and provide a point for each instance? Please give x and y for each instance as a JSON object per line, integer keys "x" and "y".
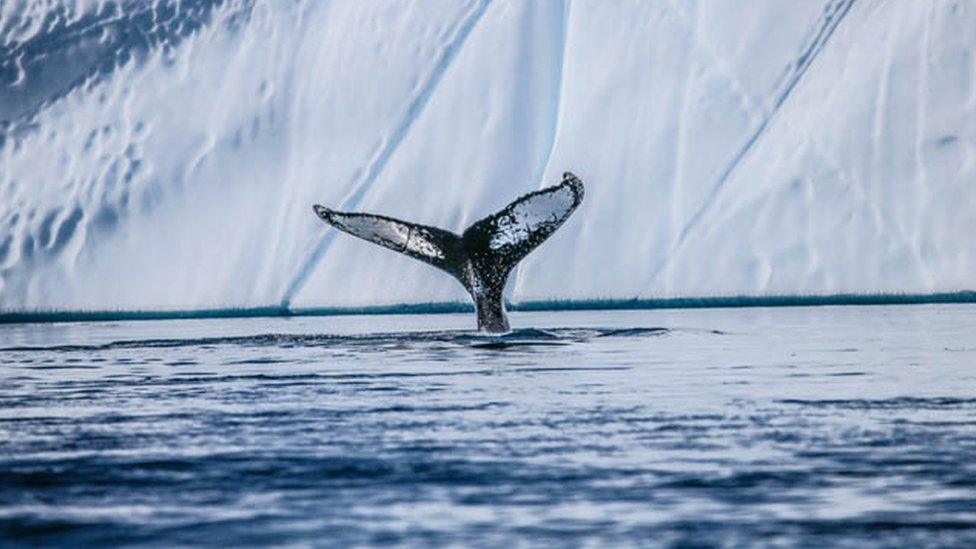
{"x": 779, "y": 426}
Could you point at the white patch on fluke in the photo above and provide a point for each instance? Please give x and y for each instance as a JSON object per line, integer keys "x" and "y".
{"x": 528, "y": 216}
{"x": 418, "y": 244}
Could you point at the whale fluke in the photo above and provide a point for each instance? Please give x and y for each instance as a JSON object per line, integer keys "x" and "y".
{"x": 483, "y": 256}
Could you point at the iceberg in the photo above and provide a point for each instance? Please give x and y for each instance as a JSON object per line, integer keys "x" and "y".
{"x": 165, "y": 155}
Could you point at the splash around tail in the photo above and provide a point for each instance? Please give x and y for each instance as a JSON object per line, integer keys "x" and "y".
{"x": 483, "y": 256}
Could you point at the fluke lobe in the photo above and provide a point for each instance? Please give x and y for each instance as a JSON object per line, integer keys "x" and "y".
{"x": 483, "y": 256}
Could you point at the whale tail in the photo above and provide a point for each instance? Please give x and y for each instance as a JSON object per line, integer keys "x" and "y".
{"x": 484, "y": 255}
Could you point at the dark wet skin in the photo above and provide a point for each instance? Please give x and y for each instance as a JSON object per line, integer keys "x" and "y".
{"x": 481, "y": 258}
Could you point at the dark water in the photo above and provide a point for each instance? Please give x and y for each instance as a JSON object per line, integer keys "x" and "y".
{"x": 821, "y": 426}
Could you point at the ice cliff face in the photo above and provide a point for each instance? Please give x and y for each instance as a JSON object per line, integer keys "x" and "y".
{"x": 166, "y": 154}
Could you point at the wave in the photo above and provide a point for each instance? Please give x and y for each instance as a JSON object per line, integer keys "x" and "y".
{"x": 515, "y": 338}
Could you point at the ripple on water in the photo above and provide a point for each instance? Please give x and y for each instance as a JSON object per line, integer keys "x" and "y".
{"x": 744, "y": 433}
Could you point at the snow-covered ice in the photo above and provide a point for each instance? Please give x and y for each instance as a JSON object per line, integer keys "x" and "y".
{"x": 166, "y": 154}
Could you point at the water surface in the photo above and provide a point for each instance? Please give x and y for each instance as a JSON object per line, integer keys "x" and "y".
{"x": 810, "y": 426}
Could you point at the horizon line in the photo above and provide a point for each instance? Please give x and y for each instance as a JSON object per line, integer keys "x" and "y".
{"x": 276, "y": 311}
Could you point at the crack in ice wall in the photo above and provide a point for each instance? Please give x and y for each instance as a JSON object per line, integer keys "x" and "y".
{"x": 555, "y": 108}
{"x": 834, "y": 13}
{"x": 378, "y": 163}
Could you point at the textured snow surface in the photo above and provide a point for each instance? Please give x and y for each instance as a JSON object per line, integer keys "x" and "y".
{"x": 166, "y": 154}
